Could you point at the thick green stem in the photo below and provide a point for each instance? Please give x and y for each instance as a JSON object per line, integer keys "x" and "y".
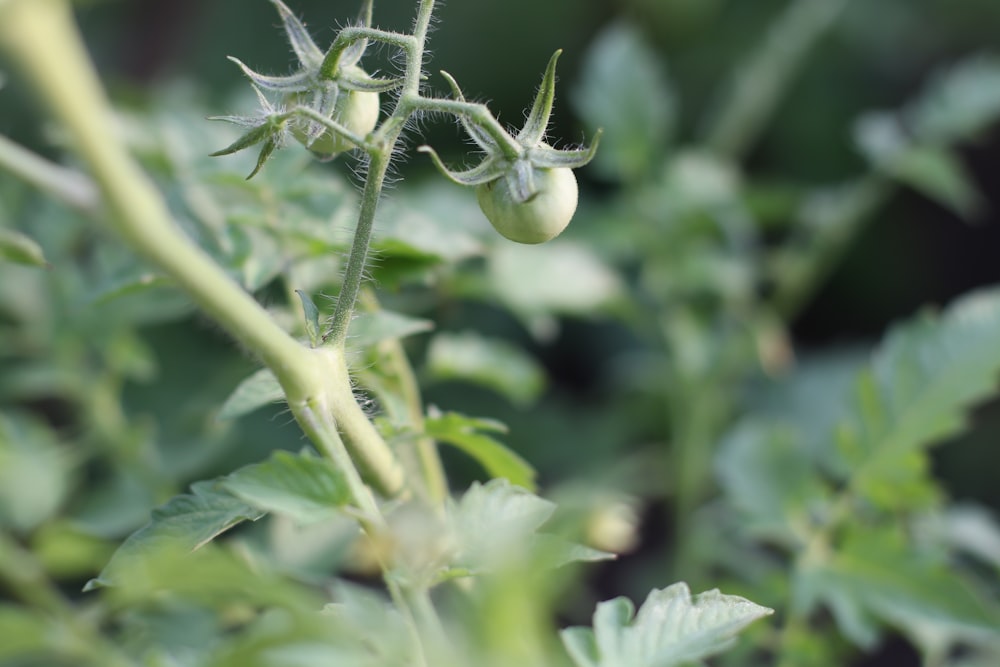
{"x": 41, "y": 36}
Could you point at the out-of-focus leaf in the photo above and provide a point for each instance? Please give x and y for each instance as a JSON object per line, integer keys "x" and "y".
{"x": 556, "y": 278}
{"x": 184, "y": 523}
{"x": 931, "y": 169}
{"x": 959, "y": 103}
{"x": 769, "y": 476}
{"x": 20, "y": 249}
{"x": 495, "y": 528}
{"x": 34, "y": 473}
{"x": 492, "y": 363}
{"x": 301, "y": 486}
{"x": 625, "y": 90}
{"x": 256, "y": 391}
{"x": 877, "y": 574}
{"x": 671, "y": 629}
{"x": 469, "y": 435}
{"x": 436, "y": 222}
{"x": 924, "y": 377}
{"x": 970, "y": 529}
{"x": 370, "y": 328}
{"x": 25, "y": 632}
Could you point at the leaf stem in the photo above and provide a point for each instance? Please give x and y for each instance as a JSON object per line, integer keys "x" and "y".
{"x": 65, "y": 185}
{"x": 755, "y": 89}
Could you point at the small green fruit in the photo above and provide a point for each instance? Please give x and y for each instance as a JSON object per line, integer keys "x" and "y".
{"x": 540, "y": 218}
{"x": 357, "y": 111}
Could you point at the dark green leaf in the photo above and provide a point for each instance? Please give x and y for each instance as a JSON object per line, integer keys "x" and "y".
{"x": 625, "y": 90}
{"x": 495, "y": 527}
{"x": 878, "y": 574}
{"x": 924, "y": 377}
{"x": 256, "y": 391}
{"x": 301, "y": 486}
{"x": 468, "y": 435}
{"x": 183, "y": 524}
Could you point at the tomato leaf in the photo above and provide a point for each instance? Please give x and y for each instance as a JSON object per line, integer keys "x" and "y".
{"x": 302, "y": 486}
{"x": 670, "y": 629}
{"x": 468, "y": 435}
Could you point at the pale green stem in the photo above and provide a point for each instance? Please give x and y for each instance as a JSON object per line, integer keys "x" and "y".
{"x": 394, "y": 360}
{"x": 805, "y": 271}
{"x": 756, "y": 88}
{"x": 477, "y": 113}
{"x": 65, "y": 185}
{"x": 40, "y": 34}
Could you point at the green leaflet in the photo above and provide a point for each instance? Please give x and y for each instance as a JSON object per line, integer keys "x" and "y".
{"x": 493, "y": 363}
{"x": 470, "y": 435}
{"x": 924, "y": 377}
{"x": 184, "y": 523}
{"x": 671, "y": 628}
{"x": 303, "y": 486}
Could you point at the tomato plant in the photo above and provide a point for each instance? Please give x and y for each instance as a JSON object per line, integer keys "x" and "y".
{"x": 432, "y": 445}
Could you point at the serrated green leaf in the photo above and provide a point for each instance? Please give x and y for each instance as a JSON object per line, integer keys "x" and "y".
{"x": 184, "y": 523}
{"x": 467, "y": 434}
{"x": 625, "y": 90}
{"x": 371, "y": 328}
{"x": 256, "y": 391}
{"x": 492, "y": 363}
{"x": 878, "y": 574}
{"x": 924, "y": 377}
{"x": 20, "y": 249}
{"x": 301, "y": 486}
{"x": 770, "y": 477}
{"x": 670, "y": 629}
{"x": 495, "y": 528}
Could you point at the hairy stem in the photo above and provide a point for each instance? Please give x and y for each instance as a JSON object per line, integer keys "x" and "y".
{"x": 42, "y": 37}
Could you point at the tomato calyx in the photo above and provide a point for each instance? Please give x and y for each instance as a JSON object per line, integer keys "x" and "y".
{"x": 518, "y": 171}
{"x": 329, "y": 109}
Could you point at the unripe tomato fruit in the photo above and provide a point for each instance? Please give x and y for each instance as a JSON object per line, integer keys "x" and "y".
{"x": 537, "y": 220}
{"x": 357, "y": 111}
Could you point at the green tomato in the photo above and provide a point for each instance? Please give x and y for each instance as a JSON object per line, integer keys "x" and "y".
{"x": 537, "y": 220}
{"x": 357, "y": 111}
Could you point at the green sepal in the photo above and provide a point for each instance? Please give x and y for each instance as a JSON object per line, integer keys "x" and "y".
{"x": 533, "y": 132}
{"x": 311, "y": 318}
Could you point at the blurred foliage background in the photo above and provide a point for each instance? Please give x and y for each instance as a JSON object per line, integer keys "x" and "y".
{"x": 593, "y": 419}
